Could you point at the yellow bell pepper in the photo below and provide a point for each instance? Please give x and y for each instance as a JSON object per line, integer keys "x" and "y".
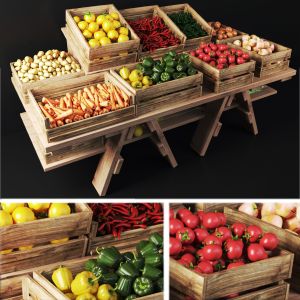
{"x": 86, "y": 296}
{"x": 136, "y": 84}
{"x": 62, "y": 278}
{"x": 124, "y": 72}
{"x": 106, "y": 292}
{"x": 84, "y": 282}
{"x": 136, "y": 75}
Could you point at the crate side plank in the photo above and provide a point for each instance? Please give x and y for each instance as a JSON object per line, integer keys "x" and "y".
{"x": 31, "y": 287}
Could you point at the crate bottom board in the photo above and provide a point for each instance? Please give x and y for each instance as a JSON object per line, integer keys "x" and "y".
{"x": 263, "y": 71}
{"x": 219, "y": 86}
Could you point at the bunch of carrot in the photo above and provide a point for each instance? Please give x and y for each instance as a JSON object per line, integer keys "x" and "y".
{"x": 119, "y": 217}
{"x": 89, "y": 102}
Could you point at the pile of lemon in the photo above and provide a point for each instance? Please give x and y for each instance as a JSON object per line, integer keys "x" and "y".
{"x": 103, "y": 29}
{"x": 16, "y": 213}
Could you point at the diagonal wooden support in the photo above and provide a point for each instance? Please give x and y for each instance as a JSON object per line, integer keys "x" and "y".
{"x": 110, "y": 162}
{"x": 209, "y": 126}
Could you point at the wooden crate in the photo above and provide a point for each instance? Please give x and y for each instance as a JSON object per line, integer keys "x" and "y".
{"x": 97, "y": 64}
{"x": 160, "y": 95}
{"x": 22, "y": 88}
{"x": 225, "y": 79}
{"x": 287, "y": 240}
{"x": 191, "y": 44}
{"x": 228, "y": 40}
{"x": 130, "y": 237}
{"x": 215, "y": 206}
{"x": 113, "y": 49}
{"x": 76, "y": 128}
{"x": 245, "y": 278}
{"x": 266, "y": 65}
{"x": 43, "y": 277}
{"x": 30, "y": 288}
{"x": 149, "y": 11}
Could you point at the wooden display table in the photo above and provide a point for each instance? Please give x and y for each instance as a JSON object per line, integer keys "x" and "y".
{"x": 207, "y": 110}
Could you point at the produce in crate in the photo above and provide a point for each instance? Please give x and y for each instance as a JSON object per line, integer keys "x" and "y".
{"x": 187, "y": 24}
{"x": 102, "y": 29}
{"x": 112, "y": 275}
{"x": 120, "y": 217}
{"x": 150, "y": 72}
{"x": 222, "y": 32}
{"x": 203, "y": 242}
{"x": 45, "y": 65}
{"x": 153, "y": 33}
{"x": 220, "y": 56}
{"x": 256, "y": 44}
{"x": 82, "y": 104}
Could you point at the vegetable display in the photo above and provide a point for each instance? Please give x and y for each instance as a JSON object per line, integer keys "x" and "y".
{"x": 16, "y": 213}
{"x": 256, "y": 44}
{"x": 187, "y": 24}
{"x": 222, "y": 32}
{"x": 282, "y": 215}
{"x": 112, "y": 275}
{"x": 89, "y": 102}
{"x": 220, "y": 56}
{"x": 116, "y": 218}
{"x": 153, "y": 33}
{"x": 103, "y": 29}
{"x": 205, "y": 243}
{"x": 150, "y": 72}
{"x": 45, "y": 65}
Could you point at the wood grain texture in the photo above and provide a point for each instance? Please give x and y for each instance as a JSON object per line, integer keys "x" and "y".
{"x": 31, "y": 288}
{"x": 215, "y": 206}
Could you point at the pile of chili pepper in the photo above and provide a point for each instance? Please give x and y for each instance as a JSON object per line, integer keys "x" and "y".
{"x": 153, "y": 33}
{"x": 187, "y": 24}
{"x": 115, "y": 218}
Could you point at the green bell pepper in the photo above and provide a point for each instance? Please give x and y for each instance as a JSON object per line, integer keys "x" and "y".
{"x": 109, "y": 257}
{"x": 165, "y": 77}
{"x": 184, "y": 57}
{"x": 149, "y": 248}
{"x": 124, "y": 286}
{"x": 138, "y": 262}
{"x": 142, "y": 243}
{"x": 181, "y": 67}
{"x": 167, "y": 57}
{"x": 178, "y": 75}
{"x": 152, "y": 272}
{"x": 172, "y": 53}
{"x": 148, "y": 62}
{"x": 140, "y": 67}
{"x": 171, "y": 63}
{"x": 109, "y": 278}
{"x": 155, "y": 260}
{"x": 131, "y": 297}
{"x": 156, "y": 239}
{"x": 148, "y": 72}
{"x": 169, "y": 70}
{"x": 158, "y": 69}
{"x": 159, "y": 284}
{"x": 143, "y": 286}
{"x": 92, "y": 266}
{"x": 128, "y": 256}
{"x": 191, "y": 71}
{"x": 155, "y": 77}
{"x": 127, "y": 269}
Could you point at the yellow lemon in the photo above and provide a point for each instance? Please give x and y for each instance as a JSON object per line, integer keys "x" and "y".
{"x": 123, "y": 38}
{"x": 94, "y": 43}
{"x": 23, "y": 248}
{"x": 22, "y": 215}
{"x": 87, "y": 34}
{"x": 100, "y": 19}
{"x": 58, "y": 210}
{"x": 93, "y": 27}
{"x": 107, "y": 25}
{"x": 39, "y": 207}
{"x": 89, "y": 17}
{"x": 83, "y": 25}
{"x": 99, "y": 34}
{"x": 76, "y": 19}
{"x": 5, "y": 218}
{"x": 105, "y": 41}
{"x": 60, "y": 241}
{"x": 114, "y": 15}
{"x": 116, "y": 24}
{"x": 10, "y": 207}
{"x": 123, "y": 30}
{"x": 113, "y": 34}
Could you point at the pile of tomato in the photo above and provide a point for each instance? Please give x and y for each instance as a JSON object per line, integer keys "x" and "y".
{"x": 203, "y": 241}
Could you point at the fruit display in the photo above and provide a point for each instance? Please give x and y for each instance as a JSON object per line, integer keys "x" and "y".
{"x": 82, "y": 104}
{"x": 120, "y": 217}
{"x": 220, "y": 56}
{"x": 256, "y": 44}
{"x": 17, "y": 213}
{"x": 222, "y": 32}
{"x": 282, "y": 215}
{"x": 153, "y": 33}
{"x": 150, "y": 72}
{"x": 187, "y": 24}
{"x": 44, "y": 65}
{"x": 112, "y": 275}
{"x": 205, "y": 243}
{"x": 103, "y": 29}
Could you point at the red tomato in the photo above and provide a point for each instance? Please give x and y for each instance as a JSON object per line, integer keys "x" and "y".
{"x": 199, "y": 255}
{"x": 222, "y": 47}
{"x": 212, "y": 53}
{"x": 200, "y": 214}
{"x": 203, "y": 45}
{"x": 239, "y": 52}
{"x": 171, "y": 214}
{"x": 238, "y": 229}
{"x": 218, "y": 53}
{"x": 233, "y": 51}
{"x": 201, "y": 234}
{"x": 269, "y": 241}
{"x": 213, "y": 47}
{"x": 246, "y": 56}
{"x": 222, "y": 60}
{"x": 206, "y": 58}
{"x": 175, "y": 225}
{"x": 212, "y": 63}
{"x": 240, "y": 60}
{"x": 204, "y": 267}
{"x": 193, "y": 53}
{"x": 186, "y": 236}
{"x": 222, "y": 55}
{"x": 191, "y": 221}
{"x": 226, "y": 52}
{"x": 184, "y": 263}
{"x": 253, "y": 233}
{"x": 234, "y": 248}
{"x": 218, "y": 264}
{"x": 212, "y": 240}
{"x": 189, "y": 249}
{"x": 175, "y": 246}
{"x": 206, "y": 50}
{"x": 235, "y": 265}
{"x": 210, "y": 220}
{"x": 223, "y": 233}
{"x": 256, "y": 252}
{"x": 201, "y": 55}
{"x": 220, "y": 66}
{"x": 191, "y": 259}
{"x": 222, "y": 218}
{"x": 182, "y": 213}
{"x": 231, "y": 59}
{"x": 212, "y": 252}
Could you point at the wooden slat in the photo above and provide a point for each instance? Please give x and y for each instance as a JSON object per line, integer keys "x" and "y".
{"x": 31, "y": 287}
